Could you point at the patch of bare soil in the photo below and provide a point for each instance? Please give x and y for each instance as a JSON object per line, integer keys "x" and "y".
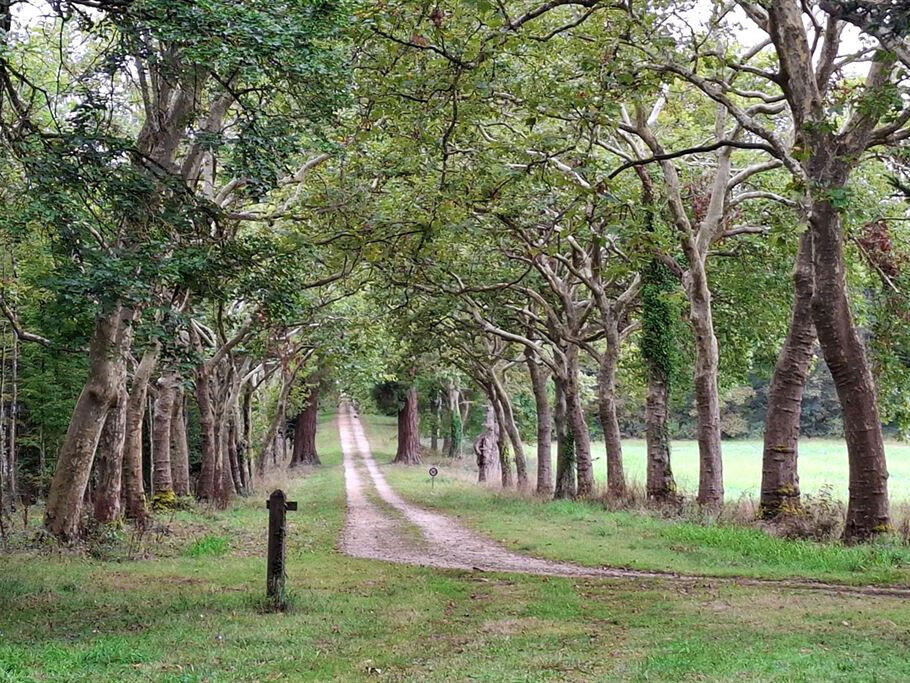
{"x": 377, "y": 533}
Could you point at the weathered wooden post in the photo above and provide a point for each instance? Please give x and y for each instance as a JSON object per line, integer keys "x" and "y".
{"x": 277, "y": 505}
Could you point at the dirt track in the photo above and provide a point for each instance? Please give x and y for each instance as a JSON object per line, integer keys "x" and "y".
{"x": 381, "y": 525}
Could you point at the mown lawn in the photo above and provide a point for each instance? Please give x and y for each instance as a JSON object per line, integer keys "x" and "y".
{"x": 822, "y": 462}
{"x": 196, "y": 615}
{"x": 588, "y": 534}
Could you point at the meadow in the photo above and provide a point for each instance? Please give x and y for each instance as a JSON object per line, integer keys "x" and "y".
{"x": 822, "y": 462}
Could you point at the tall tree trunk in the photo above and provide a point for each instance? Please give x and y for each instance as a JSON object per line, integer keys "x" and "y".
{"x": 780, "y": 477}
{"x": 539, "y": 378}
{"x": 227, "y": 397}
{"x": 163, "y": 481}
{"x": 13, "y": 420}
{"x": 606, "y": 405}
{"x": 110, "y": 461}
{"x": 180, "y": 450}
{"x": 305, "y": 431}
{"x": 453, "y": 440}
{"x": 502, "y": 443}
{"x": 246, "y": 419}
{"x": 133, "y": 488}
{"x": 6, "y": 493}
{"x": 486, "y": 444}
{"x": 208, "y": 483}
{"x": 508, "y": 421}
{"x": 110, "y": 342}
{"x": 229, "y": 448}
{"x": 565, "y": 446}
{"x": 707, "y": 401}
{"x": 657, "y": 343}
{"x": 867, "y": 507}
{"x": 581, "y": 439}
{"x": 831, "y": 158}
{"x": 408, "y": 452}
{"x": 660, "y": 485}
{"x": 437, "y": 421}
{"x": 241, "y": 441}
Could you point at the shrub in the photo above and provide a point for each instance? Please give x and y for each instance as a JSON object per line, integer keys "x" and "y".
{"x": 820, "y": 517}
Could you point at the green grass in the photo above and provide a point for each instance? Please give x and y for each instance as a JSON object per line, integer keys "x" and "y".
{"x": 588, "y": 534}
{"x": 209, "y": 546}
{"x": 200, "y": 618}
{"x": 821, "y": 462}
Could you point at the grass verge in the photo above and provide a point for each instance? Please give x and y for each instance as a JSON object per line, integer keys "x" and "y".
{"x": 201, "y": 618}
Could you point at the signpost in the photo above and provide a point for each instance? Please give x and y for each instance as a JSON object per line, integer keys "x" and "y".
{"x": 277, "y": 505}
{"x": 433, "y": 473}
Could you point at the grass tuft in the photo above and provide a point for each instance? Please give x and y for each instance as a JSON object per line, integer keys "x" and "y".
{"x": 209, "y": 546}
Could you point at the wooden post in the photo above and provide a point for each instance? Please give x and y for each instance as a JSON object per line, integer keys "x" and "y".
{"x": 277, "y": 505}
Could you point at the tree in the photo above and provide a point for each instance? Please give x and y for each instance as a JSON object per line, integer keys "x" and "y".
{"x": 305, "y": 427}
{"x": 822, "y": 159}
{"x": 154, "y": 200}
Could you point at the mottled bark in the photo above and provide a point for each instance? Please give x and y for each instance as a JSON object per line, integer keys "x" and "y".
{"x": 780, "y": 477}
{"x": 565, "y": 446}
{"x": 485, "y": 445}
{"x": 660, "y": 485}
{"x": 245, "y": 420}
{"x": 502, "y": 441}
{"x": 163, "y": 482}
{"x": 575, "y": 415}
{"x": 229, "y": 448}
{"x": 707, "y": 401}
{"x": 6, "y": 492}
{"x": 227, "y": 426}
{"x": 180, "y": 450}
{"x": 452, "y": 442}
{"x": 110, "y": 461}
{"x": 437, "y": 422}
{"x": 828, "y": 159}
{"x": 208, "y": 483}
{"x": 511, "y": 429}
{"x": 607, "y": 409}
{"x": 133, "y": 487}
{"x": 14, "y": 421}
{"x": 270, "y": 440}
{"x": 110, "y": 342}
{"x": 539, "y": 378}
{"x": 408, "y": 452}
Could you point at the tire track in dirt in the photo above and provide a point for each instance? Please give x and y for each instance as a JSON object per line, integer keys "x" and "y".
{"x": 374, "y": 533}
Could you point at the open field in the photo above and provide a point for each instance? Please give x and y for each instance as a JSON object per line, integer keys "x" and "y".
{"x": 194, "y": 613}
{"x": 821, "y": 462}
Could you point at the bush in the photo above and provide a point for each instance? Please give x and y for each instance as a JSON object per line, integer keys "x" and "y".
{"x": 820, "y": 517}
